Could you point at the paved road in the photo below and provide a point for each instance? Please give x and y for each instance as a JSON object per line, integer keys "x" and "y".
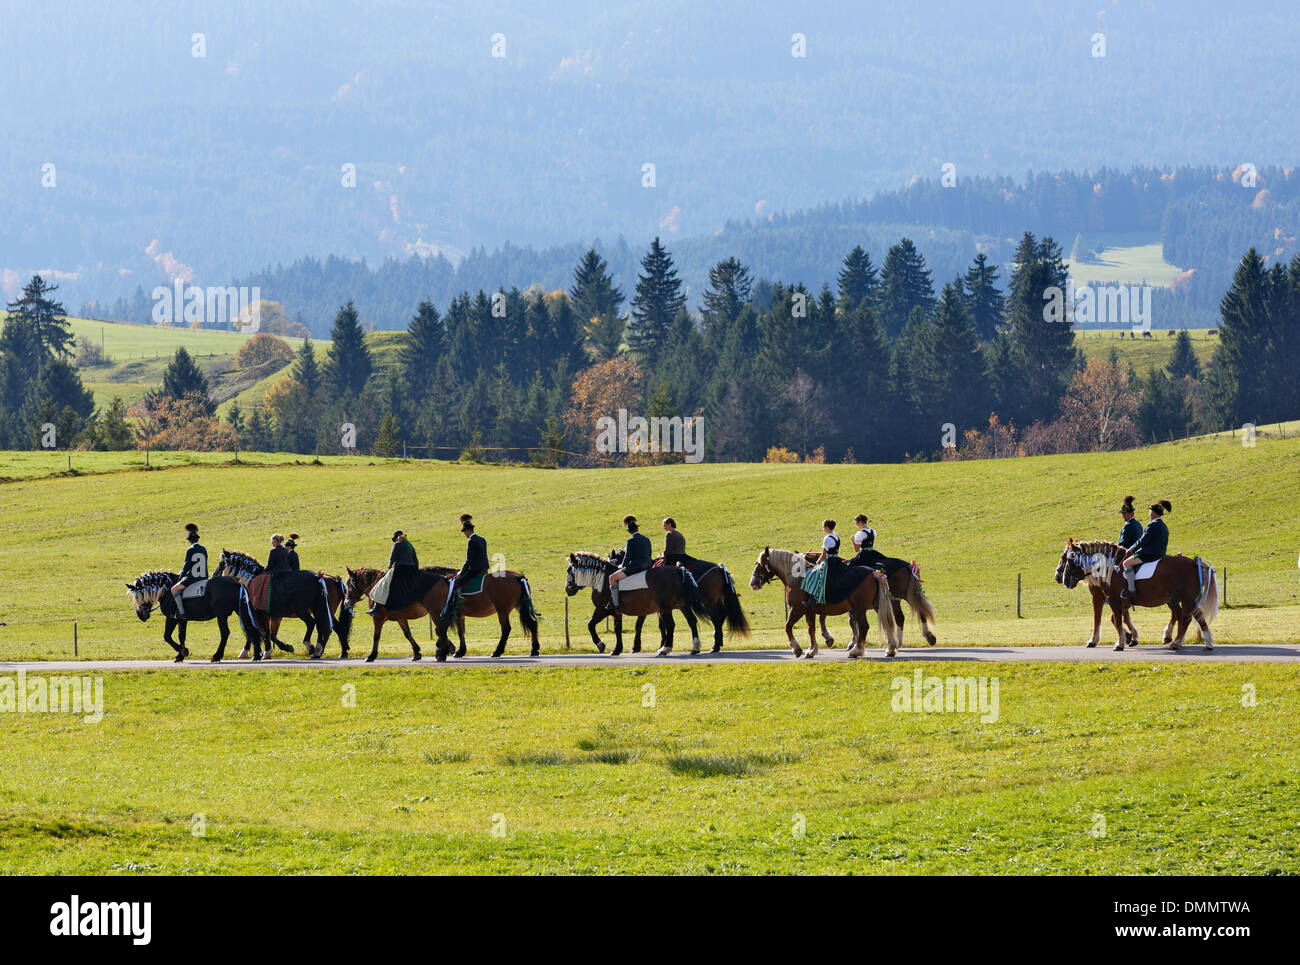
{"x": 1281, "y": 653}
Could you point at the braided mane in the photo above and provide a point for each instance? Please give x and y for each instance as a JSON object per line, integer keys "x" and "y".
{"x": 587, "y": 560}
{"x": 151, "y": 585}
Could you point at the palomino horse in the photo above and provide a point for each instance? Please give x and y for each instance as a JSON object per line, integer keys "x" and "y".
{"x": 501, "y": 593}
{"x": 667, "y": 588}
{"x": 243, "y": 568}
{"x": 1102, "y": 557}
{"x": 1189, "y": 587}
{"x": 871, "y": 591}
{"x": 222, "y": 598}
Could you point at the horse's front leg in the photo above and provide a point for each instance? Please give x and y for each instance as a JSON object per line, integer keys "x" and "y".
{"x": 796, "y": 611}
{"x": 410, "y": 638}
{"x": 665, "y": 632}
{"x": 695, "y": 630}
{"x": 826, "y": 634}
{"x": 591, "y": 628}
{"x": 717, "y": 616}
{"x": 1098, "y": 602}
{"x": 618, "y": 634}
{"x": 812, "y": 635}
{"x": 504, "y": 617}
{"x": 1117, "y": 621}
{"x": 379, "y": 616}
{"x": 636, "y": 634}
{"x": 1184, "y": 616}
{"x": 223, "y": 624}
{"x": 460, "y": 634}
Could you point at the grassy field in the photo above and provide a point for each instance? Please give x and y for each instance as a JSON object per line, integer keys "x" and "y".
{"x": 1143, "y": 354}
{"x": 1095, "y": 770}
{"x": 972, "y": 526}
{"x": 1138, "y": 264}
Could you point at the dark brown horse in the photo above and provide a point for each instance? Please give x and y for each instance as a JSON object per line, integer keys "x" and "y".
{"x": 667, "y": 588}
{"x": 870, "y": 592}
{"x": 1189, "y": 587}
{"x": 243, "y": 568}
{"x": 501, "y": 594}
{"x": 904, "y": 584}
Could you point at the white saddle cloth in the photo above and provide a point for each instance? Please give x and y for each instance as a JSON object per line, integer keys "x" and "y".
{"x": 1146, "y": 569}
{"x": 635, "y": 582}
{"x": 195, "y": 590}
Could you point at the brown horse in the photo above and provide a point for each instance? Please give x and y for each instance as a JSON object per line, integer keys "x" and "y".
{"x": 870, "y": 592}
{"x": 1189, "y": 587}
{"x": 1102, "y": 557}
{"x": 667, "y": 588}
{"x": 502, "y": 592}
{"x": 904, "y": 584}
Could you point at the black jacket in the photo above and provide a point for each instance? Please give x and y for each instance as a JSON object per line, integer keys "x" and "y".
{"x": 1130, "y": 534}
{"x": 403, "y": 554}
{"x": 195, "y": 567}
{"x": 476, "y": 557}
{"x": 293, "y": 560}
{"x": 638, "y": 554}
{"x": 674, "y": 543}
{"x": 1154, "y": 542}
{"x": 277, "y": 561}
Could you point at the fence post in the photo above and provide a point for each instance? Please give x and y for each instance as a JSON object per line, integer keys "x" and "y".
{"x": 1225, "y": 586}
{"x": 74, "y": 638}
{"x": 1018, "y": 596}
{"x": 566, "y": 621}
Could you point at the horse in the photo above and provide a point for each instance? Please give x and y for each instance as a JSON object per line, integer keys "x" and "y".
{"x": 243, "y": 568}
{"x": 223, "y": 597}
{"x": 501, "y": 593}
{"x": 667, "y": 588}
{"x": 1101, "y": 557}
{"x": 717, "y": 591}
{"x": 870, "y": 591}
{"x": 1189, "y": 587}
{"x": 904, "y": 584}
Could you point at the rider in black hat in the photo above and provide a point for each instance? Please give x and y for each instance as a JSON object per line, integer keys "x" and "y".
{"x": 193, "y": 569}
{"x": 291, "y": 545}
{"x": 638, "y": 555}
{"x": 1132, "y": 531}
{"x": 476, "y": 562}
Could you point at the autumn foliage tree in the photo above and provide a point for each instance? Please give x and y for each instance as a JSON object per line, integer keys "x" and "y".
{"x": 165, "y": 422}
{"x": 599, "y": 392}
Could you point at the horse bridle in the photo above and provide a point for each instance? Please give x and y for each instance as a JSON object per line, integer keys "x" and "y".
{"x": 767, "y": 574}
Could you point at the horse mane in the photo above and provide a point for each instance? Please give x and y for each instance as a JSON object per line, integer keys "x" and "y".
{"x": 1102, "y": 546}
{"x": 150, "y": 585}
{"x": 242, "y": 560}
{"x": 586, "y": 559}
{"x": 445, "y": 571}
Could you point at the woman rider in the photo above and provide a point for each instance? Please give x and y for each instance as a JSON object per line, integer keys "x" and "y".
{"x": 637, "y": 557}
{"x": 277, "y": 561}
{"x": 398, "y": 586}
{"x": 827, "y": 566}
{"x": 1132, "y": 530}
{"x": 1152, "y": 545}
{"x": 476, "y": 562}
{"x": 674, "y": 543}
{"x": 194, "y": 569}
{"x": 291, "y": 544}
{"x": 864, "y": 542}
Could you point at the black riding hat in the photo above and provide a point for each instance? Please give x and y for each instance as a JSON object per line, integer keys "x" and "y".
{"x": 397, "y": 534}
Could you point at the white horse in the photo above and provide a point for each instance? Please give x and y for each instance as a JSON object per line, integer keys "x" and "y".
{"x": 790, "y": 568}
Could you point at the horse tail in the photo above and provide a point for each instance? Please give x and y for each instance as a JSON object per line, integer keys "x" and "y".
{"x": 528, "y": 614}
{"x": 247, "y": 621}
{"x": 885, "y": 610}
{"x": 922, "y": 607}
{"x": 343, "y": 625}
{"x": 1210, "y": 606}
{"x": 737, "y": 622}
{"x": 323, "y": 614}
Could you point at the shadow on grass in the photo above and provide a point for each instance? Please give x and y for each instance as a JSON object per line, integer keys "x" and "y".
{"x": 727, "y": 765}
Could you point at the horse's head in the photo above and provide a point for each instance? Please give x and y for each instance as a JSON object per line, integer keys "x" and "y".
{"x": 356, "y": 585}
{"x": 585, "y": 570}
{"x": 148, "y": 591}
{"x": 1069, "y": 571}
{"x": 763, "y": 573}
{"x": 239, "y": 566}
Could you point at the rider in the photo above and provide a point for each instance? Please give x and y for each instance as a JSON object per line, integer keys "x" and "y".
{"x": 1152, "y": 545}
{"x": 637, "y": 553}
{"x": 864, "y": 542}
{"x": 194, "y": 569}
{"x": 819, "y": 577}
{"x": 403, "y": 572}
{"x": 674, "y": 543}
{"x": 1132, "y": 531}
{"x": 476, "y": 561}
{"x": 290, "y": 544}
{"x": 277, "y": 561}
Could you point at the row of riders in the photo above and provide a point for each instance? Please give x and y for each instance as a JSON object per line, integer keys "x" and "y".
{"x": 631, "y": 582}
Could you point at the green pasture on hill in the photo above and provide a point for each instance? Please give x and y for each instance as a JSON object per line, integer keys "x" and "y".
{"x": 972, "y": 526}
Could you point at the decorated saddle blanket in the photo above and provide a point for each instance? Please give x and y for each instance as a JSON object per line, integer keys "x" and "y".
{"x": 470, "y": 586}
{"x": 259, "y": 592}
{"x": 195, "y": 590}
{"x": 635, "y": 582}
{"x": 1146, "y": 569}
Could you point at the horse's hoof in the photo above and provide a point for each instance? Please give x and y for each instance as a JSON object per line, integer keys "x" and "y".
{"x": 716, "y": 650}
{"x": 243, "y": 654}
{"x": 1175, "y": 647}
{"x": 1118, "y": 647}
{"x": 536, "y": 651}
{"x": 370, "y": 659}
{"x": 343, "y": 655}
{"x": 663, "y": 651}
{"x": 890, "y": 653}
{"x": 215, "y": 659}
{"x": 600, "y": 646}
{"x": 286, "y": 647}
{"x": 440, "y": 657}
{"x": 1090, "y": 644}
{"x": 416, "y": 656}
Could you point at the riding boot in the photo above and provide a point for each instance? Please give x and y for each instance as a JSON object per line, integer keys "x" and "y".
{"x": 1130, "y": 575}
{"x": 612, "y": 605}
{"x": 178, "y": 599}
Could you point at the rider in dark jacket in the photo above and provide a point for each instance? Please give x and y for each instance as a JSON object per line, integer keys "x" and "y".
{"x": 1153, "y": 544}
{"x": 291, "y": 545}
{"x": 476, "y": 562}
{"x": 277, "y": 561}
{"x": 638, "y": 555}
{"x": 193, "y": 569}
{"x": 1132, "y": 530}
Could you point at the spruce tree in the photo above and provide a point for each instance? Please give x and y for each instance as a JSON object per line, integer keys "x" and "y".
{"x": 1182, "y": 361}
{"x": 1243, "y": 341}
{"x": 420, "y": 352}
{"x": 306, "y": 370}
{"x": 348, "y": 364}
{"x": 183, "y": 376}
{"x": 905, "y": 285}
{"x": 45, "y": 317}
{"x": 984, "y": 302}
{"x": 658, "y": 299}
{"x": 858, "y": 279}
{"x": 596, "y": 301}
{"x": 728, "y": 293}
